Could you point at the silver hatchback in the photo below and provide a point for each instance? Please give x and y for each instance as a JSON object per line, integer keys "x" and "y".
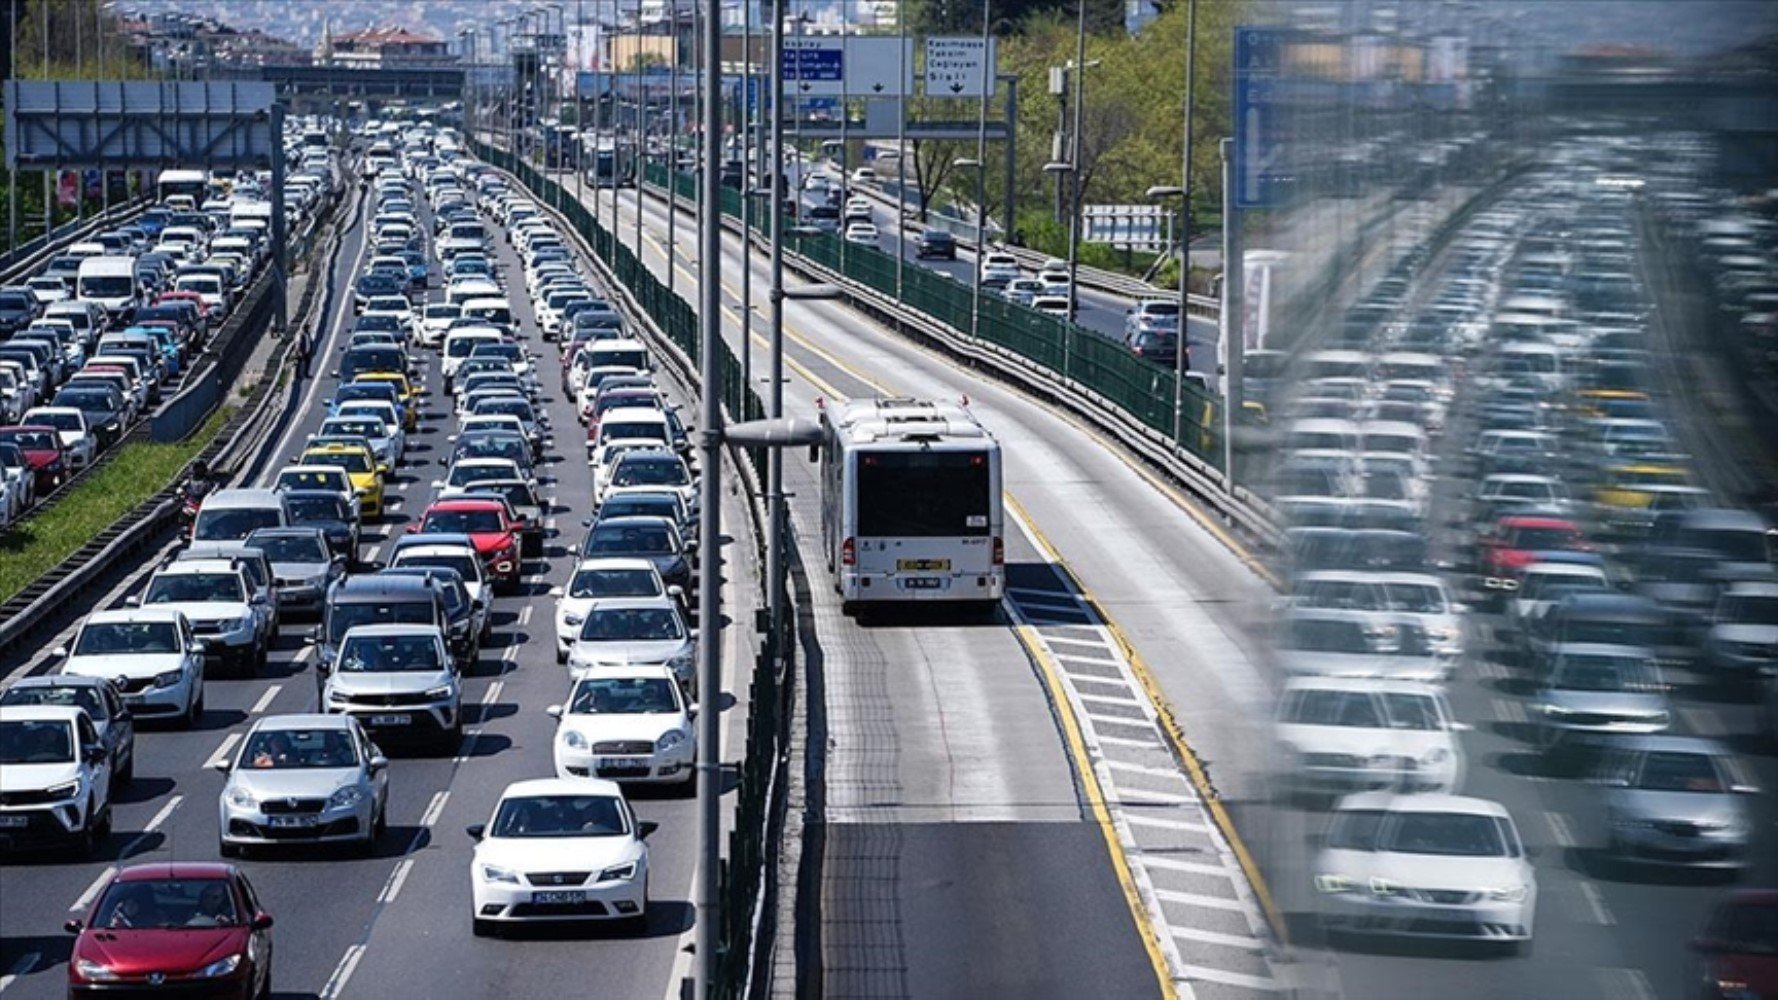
{"x": 304, "y": 779}
{"x": 1677, "y": 800}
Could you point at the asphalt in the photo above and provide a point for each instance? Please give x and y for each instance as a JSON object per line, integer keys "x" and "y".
{"x": 395, "y": 924}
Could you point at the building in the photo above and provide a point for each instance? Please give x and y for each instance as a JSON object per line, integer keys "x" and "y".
{"x": 382, "y": 48}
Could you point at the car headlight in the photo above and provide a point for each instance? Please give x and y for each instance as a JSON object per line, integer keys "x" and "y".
{"x": 680, "y": 661}
{"x": 1334, "y": 884}
{"x": 670, "y": 740}
{"x": 492, "y": 873}
{"x": 65, "y": 790}
{"x": 345, "y": 798}
{"x": 220, "y": 967}
{"x": 168, "y": 678}
{"x": 1554, "y": 711}
{"x": 574, "y": 740}
{"x": 93, "y": 971}
{"x": 241, "y": 798}
{"x": 440, "y": 692}
{"x": 618, "y": 873}
{"x": 1384, "y": 887}
{"x": 1438, "y": 755}
{"x": 1509, "y": 894}
{"x": 241, "y": 623}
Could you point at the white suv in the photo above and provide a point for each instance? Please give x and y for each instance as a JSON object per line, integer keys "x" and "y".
{"x": 151, "y": 654}
{"x": 55, "y": 778}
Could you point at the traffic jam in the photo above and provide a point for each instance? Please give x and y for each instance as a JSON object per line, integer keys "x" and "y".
{"x": 1523, "y": 644}
{"x": 407, "y": 528}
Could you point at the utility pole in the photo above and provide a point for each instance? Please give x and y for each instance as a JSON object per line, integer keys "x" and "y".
{"x": 1080, "y": 80}
{"x": 775, "y": 396}
{"x": 1233, "y": 311}
{"x": 672, "y": 160}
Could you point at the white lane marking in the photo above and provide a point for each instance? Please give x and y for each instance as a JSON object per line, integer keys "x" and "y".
{"x": 525, "y": 615}
{"x": 1137, "y": 819}
{"x": 1225, "y": 978}
{"x": 222, "y": 752}
{"x": 511, "y": 653}
{"x": 1138, "y": 723}
{"x": 1117, "y": 682}
{"x": 1703, "y": 722}
{"x": 1119, "y": 741}
{"x": 1188, "y": 867}
{"x": 1047, "y": 601}
{"x": 1106, "y": 699}
{"x": 1124, "y": 765}
{"x": 1144, "y": 796}
{"x": 434, "y": 808}
{"x": 493, "y": 692}
{"x": 1559, "y": 829}
{"x": 1213, "y": 937}
{"x": 1596, "y": 903}
{"x": 92, "y": 891}
{"x": 342, "y": 973}
{"x": 303, "y": 654}
{"x": 1097, "y": 661}
{"x": 1632, "y": 984}
{"x": 1507, "y": 710}
{"x": 1199, "y": 899}
{"x": 1099, "y": 642}
{"x": 265, "y": 700}
{"x": 1018, "y": 592}
{"x": 26, "y": 963}
{"x": 370, "y": 555}
{"x": 161, "y": 817}
{"x": 392, "y": 887}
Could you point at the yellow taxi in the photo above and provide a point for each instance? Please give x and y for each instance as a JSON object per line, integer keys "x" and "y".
{"x": 1632, "y": 487}
{"x": 410, "y": 395}
{"x": 361, "y": 466}
{"x": 1602, "y": 404}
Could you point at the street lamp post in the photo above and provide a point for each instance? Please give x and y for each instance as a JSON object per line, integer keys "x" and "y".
{"x": 1183, "y": 192}
{"x": 709, "y": 757}
{"x": 981, "y": 221}
{"x": 1080, "y": 84}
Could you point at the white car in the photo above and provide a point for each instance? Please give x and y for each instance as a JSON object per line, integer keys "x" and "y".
{"x": 435, "y": 320}
{"x": 596, "y": 579}
{"x": 626, "y": 631}
{"x": 152, "y": 655}
{"x": 559, "y": 849}
{"x": 1343, "y": 735}
{"x": 1051, "y": 305}
{"x": 1000, "y": 265}
{"x": 401, "y": 683}
{"x": 863, "y": 233}
{"x": 1426, "y": 866}
{"x": 55, "y": 778}
{"x": 216, "y": 597}
{"x": 626, "y": 724}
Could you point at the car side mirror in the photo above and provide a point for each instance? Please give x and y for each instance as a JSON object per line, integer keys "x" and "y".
{"x": 309, "y": 640}
{"x": 261, "y": 922}
{"x": 676, "y": 591}
{"x": 199, "y": 646}
{"x": 95, "y": 755}
{"x": 259, "y": 599}
{"x": 646, "y": 827}
{"x": 378, "y": 763}
{"x": 59, "y": 652}
{"x": 220, "y": 766}
{"x": 554, "y": 711}
{"x": 73, "y": 926}
{"x": 477, "y": 831}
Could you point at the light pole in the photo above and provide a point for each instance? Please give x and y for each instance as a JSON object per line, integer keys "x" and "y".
{"x": 981, "y": 233}
{"x": 709, "y": 760}
{"x": 1181, "y": 355}
{"x": 672, "y": 156}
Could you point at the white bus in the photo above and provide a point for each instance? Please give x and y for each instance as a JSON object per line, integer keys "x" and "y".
{"x": 194, "y": 184}
{"x": 910, "y": 504}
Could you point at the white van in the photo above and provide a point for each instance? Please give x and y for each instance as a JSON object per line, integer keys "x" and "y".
{"x": 109, "y": 281}
{"x": 489, "y": 310}
{"x": 461, "y": 342}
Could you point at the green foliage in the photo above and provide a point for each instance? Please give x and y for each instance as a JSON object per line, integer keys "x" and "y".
{"x": 1008, "y": 17}
{"x": 42, "y": 540}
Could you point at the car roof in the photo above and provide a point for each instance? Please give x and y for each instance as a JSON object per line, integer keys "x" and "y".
{"x": 626, "y": 671}
{"x": 57, "y": 681}
{"x": 1527, "y": 521}
{"x": 303, "y": 720}
{"x": 199, "y": 565}
{"x": 130, "y": 615}
{"x": 375, "y": 585}
{"x": 158, "y": 870}
{"x": 1662, "y": 743}
{"x": 562, "y": 786}
{"x": 374, "y": 631}
{"x": 1423, "y": 802}
{"x": 40, "y": 713}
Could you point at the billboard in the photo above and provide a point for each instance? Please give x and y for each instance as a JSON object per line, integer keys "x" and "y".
{"x": 849, "y": 65}
{"x": 959, "y": 67}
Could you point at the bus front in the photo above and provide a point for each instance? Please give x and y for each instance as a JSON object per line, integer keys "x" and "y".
{"x": 926, "y": 524}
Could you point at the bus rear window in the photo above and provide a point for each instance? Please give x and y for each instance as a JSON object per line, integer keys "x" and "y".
{"x": 924, "y": 495}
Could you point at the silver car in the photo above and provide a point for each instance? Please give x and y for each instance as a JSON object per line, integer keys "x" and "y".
{"x": 1677, "y": 800}
{"x": 400, "y": 681}
{"x": 302, "y": 563}
{"x": 304, "y": 779}
{"x": 1596, "y": 693}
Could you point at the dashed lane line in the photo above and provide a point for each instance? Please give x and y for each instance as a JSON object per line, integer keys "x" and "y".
{"x": 265, "y": 700}
{"x": 222, "y": 751}
{"x": 23, "y": 966}
{"x": 342, "y": 973}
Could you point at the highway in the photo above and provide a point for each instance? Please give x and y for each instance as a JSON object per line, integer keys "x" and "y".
{"x": 396, "y": 924}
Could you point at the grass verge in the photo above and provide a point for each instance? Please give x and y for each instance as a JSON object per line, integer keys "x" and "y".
{"x": 43, "y": 539}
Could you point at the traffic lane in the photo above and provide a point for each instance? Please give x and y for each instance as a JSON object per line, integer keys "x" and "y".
{"x": 974, "y": 737}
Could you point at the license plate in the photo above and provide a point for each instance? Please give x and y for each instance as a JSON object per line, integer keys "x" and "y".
{"x": 923, "y": 583}
{"x": 559, "y": 898}
{"x": 621, "y": 763}
{"x": 292, "y": 821}
{"x": 923, "y": 565}
{"x": 13, "y": 822}
{"x": 391, "y": 720}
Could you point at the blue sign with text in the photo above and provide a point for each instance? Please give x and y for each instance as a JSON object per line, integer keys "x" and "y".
{"x": 814, "y": 64}
{"x": 1259, "y": 167}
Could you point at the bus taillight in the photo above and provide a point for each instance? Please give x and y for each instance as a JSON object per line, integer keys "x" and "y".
{"x": 849, "y": 552}
{"x": 999, "y": 551}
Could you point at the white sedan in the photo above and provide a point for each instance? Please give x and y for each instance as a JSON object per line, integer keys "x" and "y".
{"x": 626, "y": 724}
{"x": 863, "y": 233}
{"x": 559, "y": 849}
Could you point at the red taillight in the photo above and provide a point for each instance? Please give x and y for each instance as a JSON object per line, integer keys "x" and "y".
{"x": 849, "y": 553}
{"x": 999, "y": 551}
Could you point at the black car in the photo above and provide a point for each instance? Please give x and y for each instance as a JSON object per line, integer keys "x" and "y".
{"x": 375, "y": 358}
{"x": 377, "y": 283}
{"x": 1154, "y": 345}
{"x": 18, "y": 307}
{"x": 102, "y": 405}
{"x": 330, "y": 512}
{"x": 655, "y": 539}
{"x": 936, "y": 243}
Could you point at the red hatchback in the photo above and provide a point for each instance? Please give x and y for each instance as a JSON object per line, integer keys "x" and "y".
{"x": 195, "y": 930}
{"x": 490, "y": 525}
{"x": 43, "y": 449}
{"x": 1738, "y": 954}
{"x": 1514, "y": 543}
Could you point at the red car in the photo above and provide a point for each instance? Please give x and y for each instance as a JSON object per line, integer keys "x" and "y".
{"x": 490, "y": 525}
{"x": 203, "y": 309}
{"x": 186, "y": 929}
{"x": 1514, "y": 543}
{"x": 1738, "y": 954}
{"x": 43, "y": 449}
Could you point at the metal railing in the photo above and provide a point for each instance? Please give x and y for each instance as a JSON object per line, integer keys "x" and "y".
{"x": 19, "y": 262}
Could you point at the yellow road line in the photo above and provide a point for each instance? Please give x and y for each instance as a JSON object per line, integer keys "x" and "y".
{"x": 1083, "y": 764}
{"x": 1182, "y": 748}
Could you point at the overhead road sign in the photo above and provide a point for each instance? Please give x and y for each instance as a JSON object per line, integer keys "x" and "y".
{"x": 959, "y": 67}
{"x": 849, "y": 66}
{"x": 119, "y": 124}
{"x": 1260, "y": 171}
{"x": 1136, "y": 227}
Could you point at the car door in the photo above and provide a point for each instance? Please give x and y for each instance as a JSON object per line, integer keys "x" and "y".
{"x": 368, "y": 751}
{"x": 259, "y": 940}
{"x": 120, "y": 732}
{"x": 96, "y": 758}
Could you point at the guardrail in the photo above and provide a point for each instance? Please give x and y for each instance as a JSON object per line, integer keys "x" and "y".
{"x": 62, "y": 588}
{"x": 18, "y": 263}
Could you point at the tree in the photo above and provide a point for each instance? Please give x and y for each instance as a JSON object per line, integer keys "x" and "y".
{"x": 1007, "y": 17}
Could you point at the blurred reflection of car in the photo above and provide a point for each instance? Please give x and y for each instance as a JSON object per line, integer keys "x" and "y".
{"x": 1676, "y": 800}
{"x": 1596, "y": 693}
{"x": 1319, "y": 642}
{"x": 1737, "y": 955}
{"x": 1344, "y": 735}
{"x": 1515, "y": 542}
{"x": 1426, "y": 866}
{"x": 1544, "y": 583}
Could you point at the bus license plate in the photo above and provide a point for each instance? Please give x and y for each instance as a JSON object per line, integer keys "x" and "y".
{"x": 561, "y": 898}
{"x": 923, "y": 566}
{"x": 391, "y": 720}
{"x": 923, "y": 583}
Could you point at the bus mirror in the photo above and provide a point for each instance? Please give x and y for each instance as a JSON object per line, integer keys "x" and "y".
{"x": 814, "y": 453}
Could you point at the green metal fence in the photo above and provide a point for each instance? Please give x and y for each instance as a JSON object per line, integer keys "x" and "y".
{"x": 1104, "y": 367}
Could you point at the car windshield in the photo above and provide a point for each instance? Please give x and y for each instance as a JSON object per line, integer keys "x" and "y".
{"x": 351, "y": 461}
{"x": 642, "y": 429}
{"x": 629, "y": 540}
{"x": 613, "y": 583}
{"x": 623, "y": 696}
{"x": 462, "y": 522}
{"x": 308, "y": 510}
{"x": 112, "y": 638}
{"x": 639, "y": 505}
{"x": 60, "y": 421}
{"x": 561, "y": 816}
{"x": 70, "y": 695}
{"x": 1679, "y": 771}
{"x": 32, "y": 440}
{"x": 1746, "y": 927}
{"x": 362, "y": 428}
{"x": 290, "y": 548}
{"x": 631, "y": 625}
{"x": 466, "y": 564}
{"x": 1327, "y": 636}
{"x": 26, "y": 741}
{"x": 1543, "y": 538}
{"x": 1604, "y": 673}
{"x": 312, "y": 479}
{"x": 1414, "y": 598}
{"x": 1749, "y": 610}
{"x": 231, "y": 523}
{"x": 1449, "y": 834}
{"x": 294, "y": 749}
{"x": 178, "y": 588}
{"x": 650, "y": 472}
{"x": 167, "y": 905}
{"x": 346, "y": 615}
{"x": 390, "y": 653}
{"x": 1353, "y": 709}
